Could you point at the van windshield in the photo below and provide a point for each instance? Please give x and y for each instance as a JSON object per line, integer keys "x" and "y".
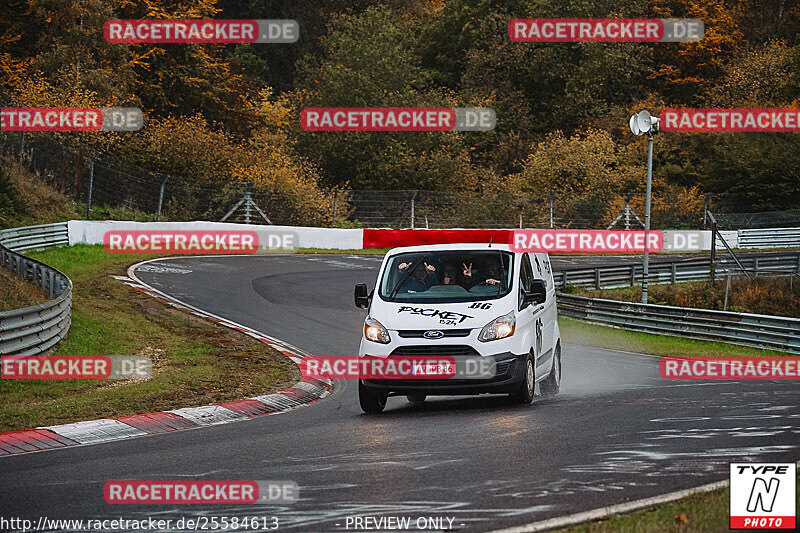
{"x": 447, "y": 276}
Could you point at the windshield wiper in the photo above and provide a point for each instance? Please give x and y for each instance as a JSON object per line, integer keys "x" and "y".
{"x": 409, "y": 271}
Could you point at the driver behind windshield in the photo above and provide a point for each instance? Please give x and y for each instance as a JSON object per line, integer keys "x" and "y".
{"x": 492, "y": 273}
{"x": 423, "y": 278}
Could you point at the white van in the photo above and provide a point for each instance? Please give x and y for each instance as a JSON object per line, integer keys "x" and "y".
{"x": 463, "y": 300}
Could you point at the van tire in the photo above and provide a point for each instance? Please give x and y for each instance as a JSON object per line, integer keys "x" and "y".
{"x": 416, "y": 397}
{"x": 524, "y": 394}
{"x": 371, "y": 402}
{"x": 552, "y": 383}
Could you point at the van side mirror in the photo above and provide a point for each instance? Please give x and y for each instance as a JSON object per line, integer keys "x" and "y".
{"x": 361, "y": 296}
{"x": 537, "y": 294}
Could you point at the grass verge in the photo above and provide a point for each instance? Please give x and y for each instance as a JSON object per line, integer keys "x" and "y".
{"x": 700, "y": 513}
{"x": 17, "y": 292}
{"x": 195, "y": 362}
{"x": 584, "y": 334}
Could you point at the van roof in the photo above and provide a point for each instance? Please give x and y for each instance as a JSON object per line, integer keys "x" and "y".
{"x": 467, "y": 246}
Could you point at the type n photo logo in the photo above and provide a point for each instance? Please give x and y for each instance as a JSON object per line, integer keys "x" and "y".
{"x": 763, "y": 496}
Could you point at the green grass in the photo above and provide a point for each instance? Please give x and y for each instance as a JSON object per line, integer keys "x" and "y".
{"x": 18, "y": 292}
{"x": 582, "y": 333}
{"x": 195, "y": 362}
{"x": 700, "y": 513}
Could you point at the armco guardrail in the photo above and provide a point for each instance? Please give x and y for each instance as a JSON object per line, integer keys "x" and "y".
{"x": 762, "y": 331}
{"x": 35, "y": 329}
{"x": 608, "y": 277}
{"x": 769, "y": 238}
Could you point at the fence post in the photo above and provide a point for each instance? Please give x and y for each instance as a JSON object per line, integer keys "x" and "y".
{"x": 755, "y": 265}
{"x": 563, "y": 280}
{"x": 413, "y": 196}
{"x": 597, "y": 277}
{"x": 21, "y": 144}
{"x": 552, "y": 197}
{"x": 91, "y": 186}
{"x": 335, "y": 198}
{"x": 705, "y": 210}
{"x": 712, "y": 267}
{"x": 727, "y": 290}
{"x": 633, "y": 275}
{"x": 247, "y": 202}
{"x": 161, "y": 199}
{"x": 674, "y": 272}
{"x": 627, "y": 211}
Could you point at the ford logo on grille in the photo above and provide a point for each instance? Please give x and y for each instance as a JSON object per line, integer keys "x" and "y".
{"x": 435, "y": 334}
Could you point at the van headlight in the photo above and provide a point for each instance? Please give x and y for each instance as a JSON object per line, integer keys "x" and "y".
{"x": 499, "y": 328}
{"x": 375, "y": 332}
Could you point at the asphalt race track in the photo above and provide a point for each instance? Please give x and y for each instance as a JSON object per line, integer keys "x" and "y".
{"x": 618, "y": 432}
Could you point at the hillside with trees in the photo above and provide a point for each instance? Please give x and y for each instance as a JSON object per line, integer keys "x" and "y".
{"x": 231, "y": 112}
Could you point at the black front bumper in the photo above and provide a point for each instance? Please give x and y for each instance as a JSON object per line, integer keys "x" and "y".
{"x": 510, "y": 371}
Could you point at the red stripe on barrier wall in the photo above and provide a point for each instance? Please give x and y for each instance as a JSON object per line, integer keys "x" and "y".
{"x": 390, "y": 238}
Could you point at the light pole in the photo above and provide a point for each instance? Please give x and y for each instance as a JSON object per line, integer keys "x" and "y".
{"x": 644, "y": 124}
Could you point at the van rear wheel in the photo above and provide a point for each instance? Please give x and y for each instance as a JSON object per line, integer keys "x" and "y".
{"x": 524, "y": 394}
{"x": 552, "y": 383}
{"x": 372, "y": 402}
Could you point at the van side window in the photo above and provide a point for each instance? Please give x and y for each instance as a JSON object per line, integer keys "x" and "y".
{"x": 540, "y": 269}
{"x": 525, "y": 275}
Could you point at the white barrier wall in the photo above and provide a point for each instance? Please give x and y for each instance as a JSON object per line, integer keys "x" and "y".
{"x": 91, "y": 232}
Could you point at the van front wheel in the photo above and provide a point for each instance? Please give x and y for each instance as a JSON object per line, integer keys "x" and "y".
{"x": 524, "y": 394}
{"x": 371, "y": 402}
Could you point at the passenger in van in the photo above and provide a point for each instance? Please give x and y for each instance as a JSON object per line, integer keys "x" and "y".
{"x": 423, "y": 278}
{"x": 449, "y": 274}
{"x": 492, "y": 273}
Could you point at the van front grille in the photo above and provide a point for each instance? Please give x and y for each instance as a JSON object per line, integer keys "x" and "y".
{"x": 436, "y": 350}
